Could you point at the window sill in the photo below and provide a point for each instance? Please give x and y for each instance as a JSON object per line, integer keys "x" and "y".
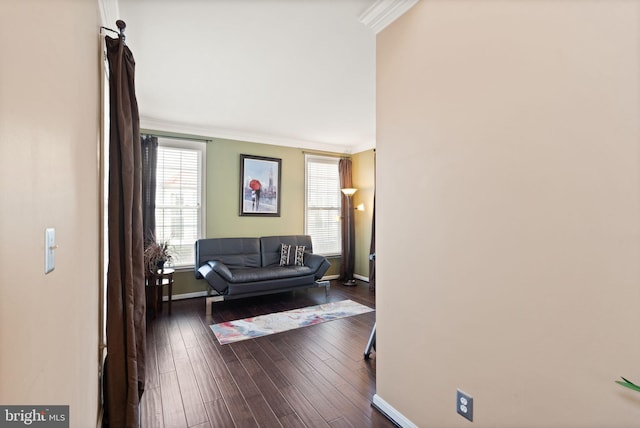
{"x": 182, "y": 268}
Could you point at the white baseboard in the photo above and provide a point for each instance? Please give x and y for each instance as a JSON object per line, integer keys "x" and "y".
{"x": 356, "y": 276}
{"x": 185, "y": 296}
{"x": 388, "y": 410}
{"x": 361, "y": 278}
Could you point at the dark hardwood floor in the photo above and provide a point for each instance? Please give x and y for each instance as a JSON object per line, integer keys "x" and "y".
{"x": 309, "y": 377}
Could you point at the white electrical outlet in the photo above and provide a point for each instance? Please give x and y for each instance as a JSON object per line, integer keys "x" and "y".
{"x": 464, "y": 404}
{"x": 49, "y": 250}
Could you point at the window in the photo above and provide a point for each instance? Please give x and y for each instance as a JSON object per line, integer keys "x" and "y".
{"x": 322, "y": 207}
{"x": 180, "y": 196}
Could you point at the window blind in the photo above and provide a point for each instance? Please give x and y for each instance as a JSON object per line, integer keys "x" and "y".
{"x": 322, "y": 211}
{"x": 179, "y": 205}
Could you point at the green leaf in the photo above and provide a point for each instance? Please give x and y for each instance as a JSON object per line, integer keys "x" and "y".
{"x": 628, "y": 384}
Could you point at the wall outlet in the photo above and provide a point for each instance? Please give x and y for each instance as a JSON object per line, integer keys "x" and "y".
{"x": 464, "y": 404}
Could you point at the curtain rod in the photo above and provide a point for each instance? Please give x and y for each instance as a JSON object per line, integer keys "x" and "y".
{"x": 327, "y": 154}
{"x": 121, "y": 26}
{"x": 160, "y": 134}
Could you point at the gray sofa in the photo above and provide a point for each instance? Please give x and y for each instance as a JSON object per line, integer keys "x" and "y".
{"x": 243, "y": 267}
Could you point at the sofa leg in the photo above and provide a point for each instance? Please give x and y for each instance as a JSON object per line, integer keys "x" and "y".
{"x": 209, "y": 302}
{"x": 326, "y": 284}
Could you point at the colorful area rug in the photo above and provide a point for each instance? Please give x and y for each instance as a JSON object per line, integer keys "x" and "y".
{"x": 248, "y": 328}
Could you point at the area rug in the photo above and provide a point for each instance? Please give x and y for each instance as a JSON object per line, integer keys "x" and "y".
{"x": 248, "y": 328}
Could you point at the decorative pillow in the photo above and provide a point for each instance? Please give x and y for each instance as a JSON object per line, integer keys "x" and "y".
{"x": 285, "y": 252}
{"x": 291, "y": 258}
{"x": 300, "y": 255}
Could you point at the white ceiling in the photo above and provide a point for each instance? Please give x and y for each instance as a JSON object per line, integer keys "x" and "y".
{"x": 291, "y": 72}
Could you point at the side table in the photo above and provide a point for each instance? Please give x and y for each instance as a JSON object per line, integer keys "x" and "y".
{"x": 155, "y": 282}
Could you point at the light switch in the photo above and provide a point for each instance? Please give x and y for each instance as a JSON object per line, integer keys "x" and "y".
{"x": 49, "y": 250}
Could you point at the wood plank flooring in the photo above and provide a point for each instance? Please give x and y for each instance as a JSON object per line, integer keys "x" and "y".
{"x": 309, "y": 377}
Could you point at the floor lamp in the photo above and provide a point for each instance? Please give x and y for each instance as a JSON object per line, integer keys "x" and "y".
{"x": 350, "y": 260}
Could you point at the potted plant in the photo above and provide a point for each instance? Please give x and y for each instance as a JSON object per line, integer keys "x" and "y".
{"x": 156, "y": 254}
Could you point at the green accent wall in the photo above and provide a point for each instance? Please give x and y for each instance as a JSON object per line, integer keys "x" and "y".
{"x": 223, "y": 187}
{"x": 222, "y": 202}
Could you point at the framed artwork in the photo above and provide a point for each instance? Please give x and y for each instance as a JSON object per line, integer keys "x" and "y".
{"x": 260, "y": 186}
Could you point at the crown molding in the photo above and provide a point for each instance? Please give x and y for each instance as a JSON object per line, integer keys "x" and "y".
{"x": 362, "y": 147}
{"x": 384, "y": 12}
{"x": 153, "y": 124}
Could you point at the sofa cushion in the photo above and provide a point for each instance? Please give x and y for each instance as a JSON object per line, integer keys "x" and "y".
{"x": 273, "y": 285}
{"x": 233, "y": 252}
{"x": 268, "y": 273}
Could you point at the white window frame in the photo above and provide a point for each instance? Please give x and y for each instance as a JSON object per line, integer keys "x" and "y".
{"x": 200, "y": 146}
{"x": 328, "y": 159}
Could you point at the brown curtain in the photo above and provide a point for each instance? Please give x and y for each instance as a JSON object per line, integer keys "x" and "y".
{"x": 125, "y": 362}
{"x": 347, "y": 263}
{"x": 372, "y": 250}
{"x": 149, "y": 166}
{"x": 372, "y": 247}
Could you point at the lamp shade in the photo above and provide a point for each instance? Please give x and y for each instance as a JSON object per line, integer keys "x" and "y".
{"x": 349, "y": 191}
